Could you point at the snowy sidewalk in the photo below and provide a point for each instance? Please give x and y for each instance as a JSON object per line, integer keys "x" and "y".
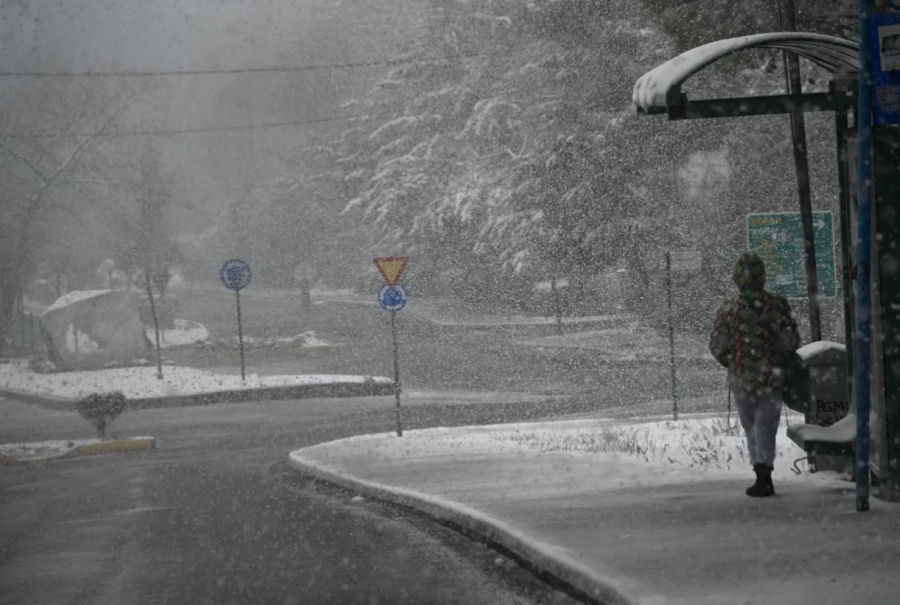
{"x": 619, "y": 512}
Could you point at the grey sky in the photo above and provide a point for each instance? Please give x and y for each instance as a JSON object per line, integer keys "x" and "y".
{"x": 147, "y": 35}
{"x": 178, "y": 35}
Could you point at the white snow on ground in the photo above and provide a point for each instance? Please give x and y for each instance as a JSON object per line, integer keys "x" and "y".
{"x": 629, "y": 342}
{"x": 184, "y": 333}
{"x": 702, "y": 444}
{"x": 520, "y": 320}
{"x": 73, "y": 297}
{"x": 324, "y": 291}
{"x": 39, "y": 450}
{"x": 141, "y": 382}
{"x": 305, "y": 339}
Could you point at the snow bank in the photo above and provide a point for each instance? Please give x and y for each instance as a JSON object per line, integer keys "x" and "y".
{"x": 707, "y": 448}
{"x": 521, "y": 320}
{"x": 305, "y": 339}
{"x": 44, "y": 450}
{"x": 184, "y": 333}
{"x": 39, "y": 450}
{"x": 142, "y": 383}
{"x": 706, "y": 443}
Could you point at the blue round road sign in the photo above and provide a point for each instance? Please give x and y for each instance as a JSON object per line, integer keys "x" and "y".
{"x": 235, "y": 274}
{"x": 392, "y": 299}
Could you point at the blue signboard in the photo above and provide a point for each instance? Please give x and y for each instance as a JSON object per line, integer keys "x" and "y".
{"x": 392, "y": 299}
{"x": 235, "y": 274}
{"x": 886, "y": 67}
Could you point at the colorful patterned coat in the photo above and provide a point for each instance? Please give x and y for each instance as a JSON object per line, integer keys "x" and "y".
{"x": 753, "y": 331}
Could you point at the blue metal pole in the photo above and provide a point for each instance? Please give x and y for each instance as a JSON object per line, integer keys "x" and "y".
{"x": 863, "y": 254}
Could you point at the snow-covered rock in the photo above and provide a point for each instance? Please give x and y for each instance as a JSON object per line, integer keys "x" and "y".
{"x": 91, "y": 329}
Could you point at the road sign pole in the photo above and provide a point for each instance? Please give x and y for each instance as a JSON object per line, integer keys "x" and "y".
{"x": 237, "y": 297}
{"x": 556, "y": 306}
{"x": 671, "y": 334}
{"x": 392, "y": 297}
{"x": 236, "y": 275}
{"x": 396, "y": 371}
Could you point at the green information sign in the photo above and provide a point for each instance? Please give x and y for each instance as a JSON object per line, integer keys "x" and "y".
{"x": 778, "y": 239}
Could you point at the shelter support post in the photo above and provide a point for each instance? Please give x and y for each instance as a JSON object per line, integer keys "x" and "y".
{"x": 862, "y": 379}
{"x": 801, "y": 164}
{"x": 840, "y": 121}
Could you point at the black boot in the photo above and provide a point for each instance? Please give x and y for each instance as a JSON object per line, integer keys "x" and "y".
{"x": 768, "y": 487}
{"x": 754, "y": 490}
{"x": 763, "y": 488}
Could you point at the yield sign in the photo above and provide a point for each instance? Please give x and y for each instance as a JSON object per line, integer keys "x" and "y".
{"x": 391, "y": 268}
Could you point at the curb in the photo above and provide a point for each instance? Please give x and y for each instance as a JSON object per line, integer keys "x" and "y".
{"x": 304, "y": 391}
{"x": 558, "y": 570}
{"x": 117, "y": 446}
{"x": 48, "y": 401}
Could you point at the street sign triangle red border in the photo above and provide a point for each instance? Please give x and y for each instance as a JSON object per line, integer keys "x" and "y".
{"x": 391, "y": 259}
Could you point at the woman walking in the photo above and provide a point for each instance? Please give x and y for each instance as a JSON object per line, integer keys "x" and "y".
{"x": 753, "y": 333}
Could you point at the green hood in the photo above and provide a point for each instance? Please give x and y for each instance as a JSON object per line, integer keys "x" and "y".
{"x": 750, "y": 273}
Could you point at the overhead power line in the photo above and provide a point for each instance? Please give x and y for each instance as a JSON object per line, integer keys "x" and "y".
{"x": 162, "y": 132}
{"x": 213, "y": 72}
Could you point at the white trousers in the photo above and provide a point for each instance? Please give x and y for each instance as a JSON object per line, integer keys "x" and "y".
{"x": 760, "y": 414}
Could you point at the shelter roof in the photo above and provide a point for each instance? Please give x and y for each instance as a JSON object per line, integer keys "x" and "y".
{"x": 661, "y": 86}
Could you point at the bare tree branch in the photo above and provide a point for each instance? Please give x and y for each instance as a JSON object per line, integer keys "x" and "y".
{"x": 69, "y": 212}
{"x": 19, "y": 264}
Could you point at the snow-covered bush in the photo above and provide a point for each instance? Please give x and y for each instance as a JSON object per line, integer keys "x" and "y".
{"x": 101, "y": 409}
{"x": 635, "y": 442}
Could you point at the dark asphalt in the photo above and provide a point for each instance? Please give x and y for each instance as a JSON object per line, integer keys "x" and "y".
{"x": 215, "y": 516}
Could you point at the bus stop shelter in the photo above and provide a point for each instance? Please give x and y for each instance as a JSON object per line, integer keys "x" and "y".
{"x": 661, "y": 91}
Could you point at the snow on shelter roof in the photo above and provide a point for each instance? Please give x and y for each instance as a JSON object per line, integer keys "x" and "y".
{"x": 661, "y": 86}
{"x": 73, "y": 297}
